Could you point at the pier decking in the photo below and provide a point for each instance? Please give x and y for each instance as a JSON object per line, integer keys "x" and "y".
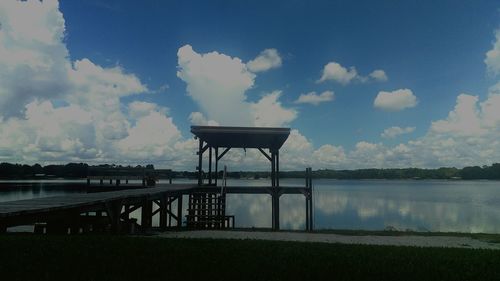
{"x": 70, "y": 210}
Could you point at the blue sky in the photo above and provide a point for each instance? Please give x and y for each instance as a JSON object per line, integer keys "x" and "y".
{"x": 436, "y": 50}
{"x": 429, "y": 51}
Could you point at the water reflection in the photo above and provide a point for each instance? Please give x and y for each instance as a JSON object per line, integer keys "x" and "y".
{"x": 471, "y": 206}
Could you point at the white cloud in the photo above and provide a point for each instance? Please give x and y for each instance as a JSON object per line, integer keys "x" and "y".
{"x": 33, "y": 58}
{"x": 379, "y": 75}
{"x": 138, "y": 109}
{"x": 268, "y": 111}
{"x": 463, "y": 120}
{"x": 267, "y": 59}
{"x": 217, "y": 83}
{"x": 396, "y": 100}
{"x": 88, "y": 123}
{"x": 152, "y": 136}
{"x": 336, "y": 72}
{"x": 395, "y": 131}
{"x": 329, "y": 156}
{"x": 197, "y": 118}
{"x": 492, "y": 59}
{"x": 315, "y": 99}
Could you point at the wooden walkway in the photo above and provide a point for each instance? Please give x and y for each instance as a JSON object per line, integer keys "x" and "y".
{"x": 117, "y": 205}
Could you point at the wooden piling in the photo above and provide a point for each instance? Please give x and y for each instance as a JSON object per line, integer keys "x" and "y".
{"x": 163, "y": 212}
{"x": 179, "y": 211}
{"x": 146, "y": 215}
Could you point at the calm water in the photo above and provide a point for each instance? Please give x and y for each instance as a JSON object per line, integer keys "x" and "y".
{"x": 464, "y": 206}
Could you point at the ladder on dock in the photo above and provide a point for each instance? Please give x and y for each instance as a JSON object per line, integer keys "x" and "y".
{"x": 207, "y": 209}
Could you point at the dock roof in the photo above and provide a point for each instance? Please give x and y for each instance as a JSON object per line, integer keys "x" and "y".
{"x": 242, "y": 137}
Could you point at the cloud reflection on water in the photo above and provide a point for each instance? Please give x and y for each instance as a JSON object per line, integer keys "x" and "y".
{"x": 375, "y": 205}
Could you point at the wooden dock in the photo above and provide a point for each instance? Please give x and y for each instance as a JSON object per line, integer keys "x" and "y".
{"x": 77, "y": 212}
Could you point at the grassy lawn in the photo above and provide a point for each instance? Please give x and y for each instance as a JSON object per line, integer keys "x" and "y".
{"x": 30, "y": 257}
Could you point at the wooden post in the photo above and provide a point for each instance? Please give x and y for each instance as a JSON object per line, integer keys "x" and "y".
{"x": 277, "y": 212}
{"x": 110, "y": 181}
{"x": 216, "y": 165}
{"x": 88, "y": 181}
{"x": 210, "y": 166}
{"x": 273, "y": 207}
{"x": 273, "y": 171}
{"x": 307, "y": 213}
{"x": 200, "y": 163}
{"x": 179, "y": 211}
{"x": 101, "y": 182}
{"x": 309, "y": 198}
{"x": 114, "y": 210}
{"x": 117, "y": 182}
{"x": 146, "y": 215}
{"x": 126, "y": 213}
{"x": 169, "y": 208}
{"x": 277, "y": 163}
{"x": 163, "y": 212}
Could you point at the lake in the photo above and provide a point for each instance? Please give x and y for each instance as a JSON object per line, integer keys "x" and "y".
{"x": 418, "y": 205}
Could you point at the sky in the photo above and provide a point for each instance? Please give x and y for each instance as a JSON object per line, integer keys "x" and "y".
{"x": 362, "y": 84}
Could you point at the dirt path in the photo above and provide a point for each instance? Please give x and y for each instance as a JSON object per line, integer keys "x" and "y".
{"x": 418, "y": 241}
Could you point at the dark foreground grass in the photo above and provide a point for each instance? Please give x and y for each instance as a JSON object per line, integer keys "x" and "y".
{"x": 30, "y": 257}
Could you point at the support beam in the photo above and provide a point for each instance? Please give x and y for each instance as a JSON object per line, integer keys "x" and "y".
{"x": 265, "y": 154}
{"x": 223, "y": 153}
{"x": 204, "y": 149}
{"x": 128, "y": 211}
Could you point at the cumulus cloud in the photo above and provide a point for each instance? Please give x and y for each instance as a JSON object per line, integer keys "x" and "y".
{"x": 396, "y": 100}
{"x": 218, "y": 84}
{"x": 329, "y": 156}
{"x": 267, "y": 59}
{"x": 315, "y": 99}
{"x": 152, "y": 136}
{"x": 197, "y": 118}
{"x": 464, "y": 119}
{"x": 138, "y": 109}
{"x": 379, "y": 75}
{"x": 269, "y": 112}
{"x": 395, "y": 131}
{"x": 56, "y": 110}
{"x": 33, "y": 58}
{"x": 343, "y": 75}
{"x": 492, "y": 59}
{"x": 336, "y": 72}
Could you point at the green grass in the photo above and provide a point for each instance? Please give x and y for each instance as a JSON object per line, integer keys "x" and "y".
{"x": 486, "y": 237}
{"x": 44, "y": 257}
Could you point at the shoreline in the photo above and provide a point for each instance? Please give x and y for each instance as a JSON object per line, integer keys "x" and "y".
{"x": 411, "y": 240}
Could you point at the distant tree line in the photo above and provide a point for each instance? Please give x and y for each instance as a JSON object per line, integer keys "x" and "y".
{"x": 69, "y": 171}
{"x": 81, "y": 170}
